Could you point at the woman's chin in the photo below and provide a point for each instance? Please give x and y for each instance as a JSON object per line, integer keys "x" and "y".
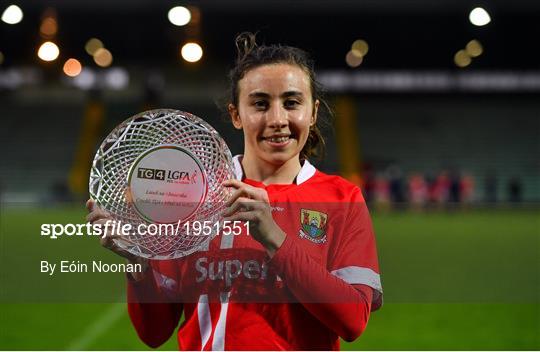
{"x": 279, "y": 157}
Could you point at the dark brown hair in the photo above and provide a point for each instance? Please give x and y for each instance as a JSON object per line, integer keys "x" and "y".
{"x": 251, "y": 55}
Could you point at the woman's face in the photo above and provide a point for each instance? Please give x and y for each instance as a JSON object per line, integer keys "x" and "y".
{"x": 275, "y": 110}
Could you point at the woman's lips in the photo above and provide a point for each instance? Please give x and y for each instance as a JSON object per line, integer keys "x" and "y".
{"x": 278, "y": 141}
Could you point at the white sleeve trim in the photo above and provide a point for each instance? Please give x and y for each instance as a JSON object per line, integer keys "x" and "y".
{"x": 359, "y": 275}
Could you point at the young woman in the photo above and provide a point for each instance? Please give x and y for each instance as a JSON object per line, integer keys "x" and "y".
{"x": 307, "y": 272}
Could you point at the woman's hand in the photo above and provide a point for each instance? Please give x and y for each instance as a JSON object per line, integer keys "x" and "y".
{"x": 251, "y": 204}
{"x": 99, "y": 216}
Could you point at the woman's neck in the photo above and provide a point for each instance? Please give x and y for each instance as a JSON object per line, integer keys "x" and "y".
{"x": 267, "y": 173}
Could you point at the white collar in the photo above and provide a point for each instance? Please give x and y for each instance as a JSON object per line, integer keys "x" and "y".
{"x": 306, "y": 172}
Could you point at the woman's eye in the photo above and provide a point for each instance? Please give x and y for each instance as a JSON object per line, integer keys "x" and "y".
{"x": 291, "y": 103}
{"x": 260, "y": 104}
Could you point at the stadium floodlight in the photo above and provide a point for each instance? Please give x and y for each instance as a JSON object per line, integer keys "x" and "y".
{"x": 12, "y": 14}
{"x": 179, "y": 15}
{"x": 93, "y": 45}
{"x": 103, "y": 57}
{"x": 72, "y": 67}
{"x": 479, "y": 17}
{"x": 48, "y": 51}
{"x": 191, "y": 52}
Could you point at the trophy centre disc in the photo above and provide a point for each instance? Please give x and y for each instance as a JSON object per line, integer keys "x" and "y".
{"x": 166, "y": 184}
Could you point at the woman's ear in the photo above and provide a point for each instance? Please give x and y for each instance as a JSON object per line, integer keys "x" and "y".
{"x": 315, "y": 111}
{"x": 235, "y": 117}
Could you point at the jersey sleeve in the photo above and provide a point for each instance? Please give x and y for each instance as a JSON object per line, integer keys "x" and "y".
{"x": 151, "y": 313}
{"x": 342, "y": 307}
{"x": 354, "y": 256}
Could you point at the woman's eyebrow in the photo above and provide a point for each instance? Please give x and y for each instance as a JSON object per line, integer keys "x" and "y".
{"x": 292, "y": 93}
{"x": 287, "y": 94}
{"x": 259, "y": 95}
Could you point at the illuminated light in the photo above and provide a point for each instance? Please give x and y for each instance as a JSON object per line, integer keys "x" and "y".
{"x": 12, "y": 15}
{"x": 103, "y": 57}
{"x": 479, "y": 17}
{"x": 352, "y": 60}
{"x": 72, "y": 67}
{"x": 192, "y": 52}
{"x": 48, "y": 51}
{"x": 92, "y": 45}
{"x": 117, "y": 78}
{"x": 357, "y": 53}
{"x": 462, "y": 59}
{"x": 474, "y": 48}
{"x": 86, "y": 80}
{"x": 179, "y": 16}
{"x": 48, "y": 27}
{"x": 1, "y": 58}
{"x": 359, "y": 48}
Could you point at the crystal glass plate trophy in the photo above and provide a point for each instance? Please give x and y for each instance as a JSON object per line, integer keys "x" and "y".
{"x": 158, "y": 171}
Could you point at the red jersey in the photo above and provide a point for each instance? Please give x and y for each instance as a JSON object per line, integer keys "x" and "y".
{"x": 320, "y": 285}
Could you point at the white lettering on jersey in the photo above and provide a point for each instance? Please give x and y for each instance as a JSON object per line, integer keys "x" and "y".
{"x": 229, "y": 270}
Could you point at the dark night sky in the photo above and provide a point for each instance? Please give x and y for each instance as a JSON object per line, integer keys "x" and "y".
{"x": 402, "y": 34}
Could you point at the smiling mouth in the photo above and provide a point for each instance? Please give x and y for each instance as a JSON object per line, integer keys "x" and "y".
{"x": 277, "y": 139}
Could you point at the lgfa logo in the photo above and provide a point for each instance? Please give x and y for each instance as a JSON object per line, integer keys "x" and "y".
{"x": 172, "y": 176}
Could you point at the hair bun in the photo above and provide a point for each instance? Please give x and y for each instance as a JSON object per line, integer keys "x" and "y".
{"x": 245, "y": 43}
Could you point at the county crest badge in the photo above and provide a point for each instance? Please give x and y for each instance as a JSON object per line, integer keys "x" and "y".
{"x": 313, "y": 225}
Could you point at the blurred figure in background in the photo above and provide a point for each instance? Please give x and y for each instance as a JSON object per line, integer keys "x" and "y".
{"x": 490, "y": 188}
{"x": 515, "y": 189}
{"x": 369, "y": 185}
{"x": 440, "y": 189}
{"x": 467, "y": 189}
{"x": 60, "y": 193}
{"x": 418, "y": 191}
{"x": 381, "y": 192}
{"x": 397, "y": 194}
{"x": 454, "y": 189}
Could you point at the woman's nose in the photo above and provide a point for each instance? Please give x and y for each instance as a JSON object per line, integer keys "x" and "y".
{"x": 277, "y": 118}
